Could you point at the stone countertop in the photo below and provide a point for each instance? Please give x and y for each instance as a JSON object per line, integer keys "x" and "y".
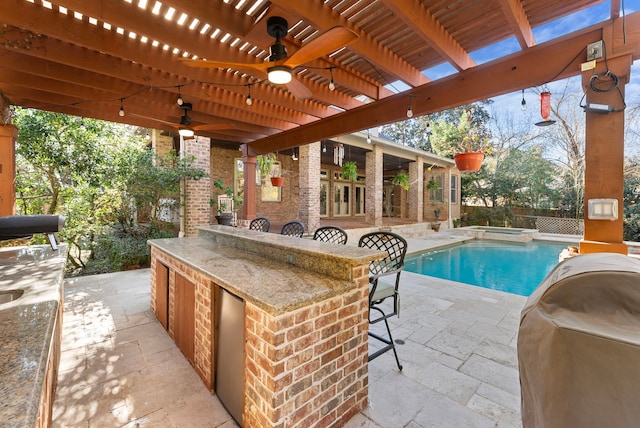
{"x": 327, "y": 259}
{"x": 273, "y": 285}
{"x": 26, "y": 327}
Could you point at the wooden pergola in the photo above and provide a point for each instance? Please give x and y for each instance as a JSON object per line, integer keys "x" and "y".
{"x": 95, "y": 58}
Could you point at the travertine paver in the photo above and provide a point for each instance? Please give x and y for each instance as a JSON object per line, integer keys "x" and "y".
{"x": 119, "y": 367}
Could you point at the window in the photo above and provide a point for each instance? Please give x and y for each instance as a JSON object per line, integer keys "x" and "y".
{"x": 437, "y": 194}
{"x": 454, "y": 189}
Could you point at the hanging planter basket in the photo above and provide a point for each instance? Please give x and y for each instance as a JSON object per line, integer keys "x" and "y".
{"x": 470, "y": 161}
{"x": 277, "y": 181}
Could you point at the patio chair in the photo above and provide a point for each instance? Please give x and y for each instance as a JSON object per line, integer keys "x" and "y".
{"x": 261, "y": 224}
{"x": 293, "y": 228}
{"x": 396, "y": 247}
{"x": 332, "y": 234}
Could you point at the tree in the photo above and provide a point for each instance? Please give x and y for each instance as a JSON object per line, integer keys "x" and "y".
{"x": 632, "y": 199}
{"x": 95, "y": 173}
{"x": 410, "y": 132}
{"x": 564, "y": 145}
{"x": 462, "y": 129}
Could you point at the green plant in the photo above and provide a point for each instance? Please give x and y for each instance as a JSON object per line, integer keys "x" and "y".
{"x": 401, "y": 179}
{"x": 432, "y": 184}
{"x": 349, "y": 171}
{"x": 221, "y": 189}
{"x": 266, "y": 165}
{"x": 467, "y": 134}
{"x": 456, "y": 222}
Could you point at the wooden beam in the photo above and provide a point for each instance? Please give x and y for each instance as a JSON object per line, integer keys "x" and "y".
{"x": 423, "y": 23}
{"x": 554, "y": 60}
{"x": 135, "y": 51}
{"x": 517, "y": 18}
{"x": 323, "y": 18}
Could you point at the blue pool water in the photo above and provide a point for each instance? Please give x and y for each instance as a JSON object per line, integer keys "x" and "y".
{"x": 506, "y": 266}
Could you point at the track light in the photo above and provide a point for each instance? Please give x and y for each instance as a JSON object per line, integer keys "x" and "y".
{"x": 523, "y": 103}
{"x": 332, "y": 85}
{"x": 409, "y": 111}
{"x": 294, "y": 156}
{"x": 324, "y": 148}
{"x": 121, "y": 112}
{"x": 368, "y": 137}
{"x": 279, "y": 74}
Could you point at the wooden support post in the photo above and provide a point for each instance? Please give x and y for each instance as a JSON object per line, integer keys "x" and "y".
{"x": 249, "y": 203}
{"x": 8, "y": 135}
{"x": 604, "y": 157}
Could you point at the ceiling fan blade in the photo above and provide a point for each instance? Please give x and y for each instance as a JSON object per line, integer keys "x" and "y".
{"x": 207, "y": 63}
{"x": 152, "y": 118}
{"x": 214, "y": 127}
{"x": 299, "y": 89}
{"x": 324, "y": 44}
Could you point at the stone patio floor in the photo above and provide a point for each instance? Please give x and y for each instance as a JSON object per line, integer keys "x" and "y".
{"x": 120, "y": 368}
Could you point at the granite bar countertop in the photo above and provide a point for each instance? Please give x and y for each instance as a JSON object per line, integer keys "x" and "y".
{"x": 26, "y": 327}
{"x": 271, "y": 284}
{"x": 327, "y": 259}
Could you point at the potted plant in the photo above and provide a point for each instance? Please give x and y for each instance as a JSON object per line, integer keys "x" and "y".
{"x": 464, "y": 216}
{"x": 225, "y": 213}
{"x": 437, "y": 210}
{"x": 268, "y": 169}
{"x": 401, "y": 179}
{"x": 432, "y": 184}
{"x": 466, "y": 142}
{"x": 349, "y": 171}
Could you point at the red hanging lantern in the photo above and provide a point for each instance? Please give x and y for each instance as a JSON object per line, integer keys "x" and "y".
{"x": 545, "y": 109}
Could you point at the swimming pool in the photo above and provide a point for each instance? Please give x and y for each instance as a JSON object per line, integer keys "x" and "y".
{"x": 515, "y": 268}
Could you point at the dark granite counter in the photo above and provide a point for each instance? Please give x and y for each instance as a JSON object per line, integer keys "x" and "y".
{"x": 27, "y": 328}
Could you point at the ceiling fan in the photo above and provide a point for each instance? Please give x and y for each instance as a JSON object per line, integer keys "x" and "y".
{"x": 279, "y": 65}
{"x": 186, "y": 129}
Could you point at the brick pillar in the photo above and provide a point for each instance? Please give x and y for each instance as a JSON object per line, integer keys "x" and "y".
{"x": 197, "y": 193}
{"x": 161, "y": 144}
{"x": 309, "y": 186}
{"x": 416, "y": 190}
{"x": 8, "y": 135}
{"x": 374, "y": 186}
{"x": 604, "y": 160}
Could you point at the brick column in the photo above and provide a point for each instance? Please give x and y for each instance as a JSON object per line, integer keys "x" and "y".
{"x": 8, "y": 135}
{"x": 197, "y": 193}
{"x": 161, "y": 144}
{"x": 416, "y": 190}
{"x": 309, "y": 185}
{"x": 374, "y": 186}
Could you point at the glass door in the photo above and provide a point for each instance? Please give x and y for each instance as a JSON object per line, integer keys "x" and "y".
{"x": 324, "y": 199}
{"x": 360, "y": 199}
{"x": 341, "y": 199}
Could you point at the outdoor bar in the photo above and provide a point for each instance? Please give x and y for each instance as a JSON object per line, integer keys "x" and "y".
{"x": 275, "y": 326}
